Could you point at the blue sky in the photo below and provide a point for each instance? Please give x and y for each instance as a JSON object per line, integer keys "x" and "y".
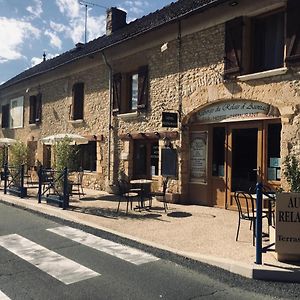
{"x": 30, "y": 27}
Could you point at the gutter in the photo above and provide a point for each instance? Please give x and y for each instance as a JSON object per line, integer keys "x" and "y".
{"x": 187, "y": 14}
{"x": 109, "y": 117}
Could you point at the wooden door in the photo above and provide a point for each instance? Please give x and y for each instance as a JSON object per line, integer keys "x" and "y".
{"x": 244, "y": 157}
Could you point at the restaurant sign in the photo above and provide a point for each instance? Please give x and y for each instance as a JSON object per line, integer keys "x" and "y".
{"x": 236, "y": 110}
{"x": 169, "y": 119}
{"x": 288, "y": 224}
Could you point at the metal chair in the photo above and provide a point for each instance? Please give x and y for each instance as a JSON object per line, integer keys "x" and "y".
{"x": 246, "y": 211}
{"x": 76, "y": 187}
{"x": 162, "y": 193}
{"x": 126, "y": 193}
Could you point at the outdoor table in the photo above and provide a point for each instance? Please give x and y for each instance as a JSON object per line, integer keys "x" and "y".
{"x": 143, "y": 184}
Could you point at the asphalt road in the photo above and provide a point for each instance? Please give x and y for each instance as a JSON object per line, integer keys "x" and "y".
{"x": 46, "y": 259}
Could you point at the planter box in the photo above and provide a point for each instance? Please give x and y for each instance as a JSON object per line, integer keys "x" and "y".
{"x": 287, "y": 230}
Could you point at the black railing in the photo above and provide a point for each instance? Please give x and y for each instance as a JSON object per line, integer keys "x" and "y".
{"x": 14, "y": 180}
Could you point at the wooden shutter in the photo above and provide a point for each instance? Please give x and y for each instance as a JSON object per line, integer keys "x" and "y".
{"x": 233, "y": 47}
{"x": 293, "y": 32}
{"x": 38, "y": 114}
{"x": 5, "y": 116}
{"x": 32, "y": 109}
{"x": 78, "y": 96}
{"x": 142, "y": 88}
{"x": 117, "y": 80}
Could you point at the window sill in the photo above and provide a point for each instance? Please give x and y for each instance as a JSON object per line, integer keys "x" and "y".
{"x": 79, "y": 121}
{"x": 128, "y": 115}
{"x": 264, "y": 74}
{"x": 33, "y": 125}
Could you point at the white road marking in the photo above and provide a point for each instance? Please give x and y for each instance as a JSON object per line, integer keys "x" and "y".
{"x": 58, "y": 266}
{"x": 129, "y": 254}
{"x": 3, "y": 296}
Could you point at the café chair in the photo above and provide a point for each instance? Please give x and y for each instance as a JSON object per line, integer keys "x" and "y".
{"x": 76, "y": 187}
{"x": 126, "y": 193}
{"x": 246, "y": 211}
{"x": 162, "y": 194}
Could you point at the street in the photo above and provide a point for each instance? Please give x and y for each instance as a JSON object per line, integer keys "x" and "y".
{"x": 43, "y": 259}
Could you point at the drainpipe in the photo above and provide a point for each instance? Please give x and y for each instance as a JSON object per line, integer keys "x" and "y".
{"x": 110, "y": 112}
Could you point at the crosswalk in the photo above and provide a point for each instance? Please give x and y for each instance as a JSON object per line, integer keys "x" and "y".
{"x": 126, "y": 253}
{"x": 62, "y": 268}
{"x": 3, "y": 296}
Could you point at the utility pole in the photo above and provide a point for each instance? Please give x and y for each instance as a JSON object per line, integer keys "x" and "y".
{"x": 86, "y": 4}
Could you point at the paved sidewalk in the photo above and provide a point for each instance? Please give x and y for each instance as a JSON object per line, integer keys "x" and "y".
{"x": 204, "y": 234}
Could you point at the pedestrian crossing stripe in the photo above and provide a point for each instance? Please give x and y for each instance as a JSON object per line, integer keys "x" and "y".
{"x": 126, "y": 253}
{"x": 3, "y": 296}
{"x": 58, "y": 266}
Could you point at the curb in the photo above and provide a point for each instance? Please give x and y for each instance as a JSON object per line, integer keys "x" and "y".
{"x": 252, "y": 271}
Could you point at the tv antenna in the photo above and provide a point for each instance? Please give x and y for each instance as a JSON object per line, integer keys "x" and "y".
{"x": 88, "y": 4}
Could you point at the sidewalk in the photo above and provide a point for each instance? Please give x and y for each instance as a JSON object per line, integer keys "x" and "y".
{"x": 204, "y": 234}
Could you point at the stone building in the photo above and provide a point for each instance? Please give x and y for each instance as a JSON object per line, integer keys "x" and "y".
{"x": 204, "y": 92}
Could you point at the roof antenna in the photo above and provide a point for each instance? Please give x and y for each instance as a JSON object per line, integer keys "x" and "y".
{"x": 86, "y": 4}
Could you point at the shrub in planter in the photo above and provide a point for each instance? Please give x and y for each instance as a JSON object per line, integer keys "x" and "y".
{"x": 292, "y": 172}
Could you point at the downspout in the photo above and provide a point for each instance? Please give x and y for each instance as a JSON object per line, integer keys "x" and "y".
{"x": 109, "y": 117}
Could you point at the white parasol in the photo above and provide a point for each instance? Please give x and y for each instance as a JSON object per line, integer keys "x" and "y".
{"x": 7, "y": 141}
{"x": 75, "y": 139}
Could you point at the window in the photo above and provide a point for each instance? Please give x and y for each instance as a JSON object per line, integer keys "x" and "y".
{"x": 35, "y": 107}
{"x": 146, "y": 157}
{"x": 78, "y": 101}
{"x": 5, "y": 116}
{"x": 130, "y": 91}
{"x": 218, "y": 159}
{"x": 273, "y": 155}
{"x": 16, "y": 113}
{"x": 258, "y": 43}
{"x": 86, "y": 157}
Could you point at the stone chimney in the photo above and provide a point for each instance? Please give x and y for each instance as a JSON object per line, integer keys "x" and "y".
{"x": 115, "y": 19}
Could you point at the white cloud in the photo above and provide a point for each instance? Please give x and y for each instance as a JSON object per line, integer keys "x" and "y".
{"x": 136, "y": 7}
{"x": 35, "y": 10}
{"x": 69, "y": 8}
{"x": 13, "y": 34}
{"x": 37, "y": 60}
{"x": 55, "y": 41}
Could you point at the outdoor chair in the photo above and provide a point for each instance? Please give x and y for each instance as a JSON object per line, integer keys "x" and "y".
{"x": 126, "y": 193}
{"x": 76, "y": 187}
{"x": 162, "y": 194}
{"x": 246, "y": 211}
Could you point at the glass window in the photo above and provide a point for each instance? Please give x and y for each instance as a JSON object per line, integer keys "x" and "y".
{"x": 154, "y": 158}
{"x": 268, "y": 42}
{"x": 274, "y": 131}
{"x": 86, "y": 156}
{"x": 16, "y": 113}
{"x": 78, "y": 101}
{"x": 134, "y": 91}
{"x": 218, "y": 151}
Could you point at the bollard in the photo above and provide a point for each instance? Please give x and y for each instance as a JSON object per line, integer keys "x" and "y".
{"x": 40, "y": 175}
{"x": 22, "y": 189}
{"x": 66, "y": 189}
{"x": 258, "y": 226}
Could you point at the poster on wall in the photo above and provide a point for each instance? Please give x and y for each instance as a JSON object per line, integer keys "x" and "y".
{"x": 198, "y": 156}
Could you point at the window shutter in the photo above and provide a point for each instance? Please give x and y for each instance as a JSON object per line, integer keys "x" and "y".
{"x": 143, "y": 88}
{"x": 5, "y": 116}
{"x": 38, "y": 115}
{"x": 117, "y": 79}
{"x": 233, "y": 47}
{"x": 32, "y": 109}
{"x": 293, "y": 32}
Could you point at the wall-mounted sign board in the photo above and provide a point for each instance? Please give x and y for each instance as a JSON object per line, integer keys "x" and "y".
{"x": 169, "y": 119}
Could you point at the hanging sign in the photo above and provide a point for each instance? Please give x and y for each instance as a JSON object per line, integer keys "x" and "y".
{"x": 236, "y": 110}
{"x": 169, "y": 119}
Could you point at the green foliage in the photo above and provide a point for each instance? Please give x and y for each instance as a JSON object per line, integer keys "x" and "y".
{"x": 64, "y": 154}
{"x": 18, "y": 154}
{"x": 292, "y": 172}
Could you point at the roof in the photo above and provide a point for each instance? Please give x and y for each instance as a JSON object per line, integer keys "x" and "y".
{"x": 170, "y": 13}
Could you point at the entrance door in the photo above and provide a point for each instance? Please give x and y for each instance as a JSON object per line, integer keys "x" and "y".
{"x": 244, "y": 158}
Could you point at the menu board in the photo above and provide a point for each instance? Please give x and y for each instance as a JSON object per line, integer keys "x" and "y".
{"x": 198, "y": 156}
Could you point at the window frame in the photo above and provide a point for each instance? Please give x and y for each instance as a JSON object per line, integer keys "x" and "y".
{"x": 35, "y": 106}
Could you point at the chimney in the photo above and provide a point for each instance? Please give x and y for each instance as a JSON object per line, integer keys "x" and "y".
{"x": 115, "y": 19}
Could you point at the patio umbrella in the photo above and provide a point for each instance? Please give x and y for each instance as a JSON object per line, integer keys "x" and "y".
{"x": 7, "y": 141}
{"x": 75, "y": 139}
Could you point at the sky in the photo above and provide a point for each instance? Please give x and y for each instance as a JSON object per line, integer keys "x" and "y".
{"x": 28, "y": 28}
